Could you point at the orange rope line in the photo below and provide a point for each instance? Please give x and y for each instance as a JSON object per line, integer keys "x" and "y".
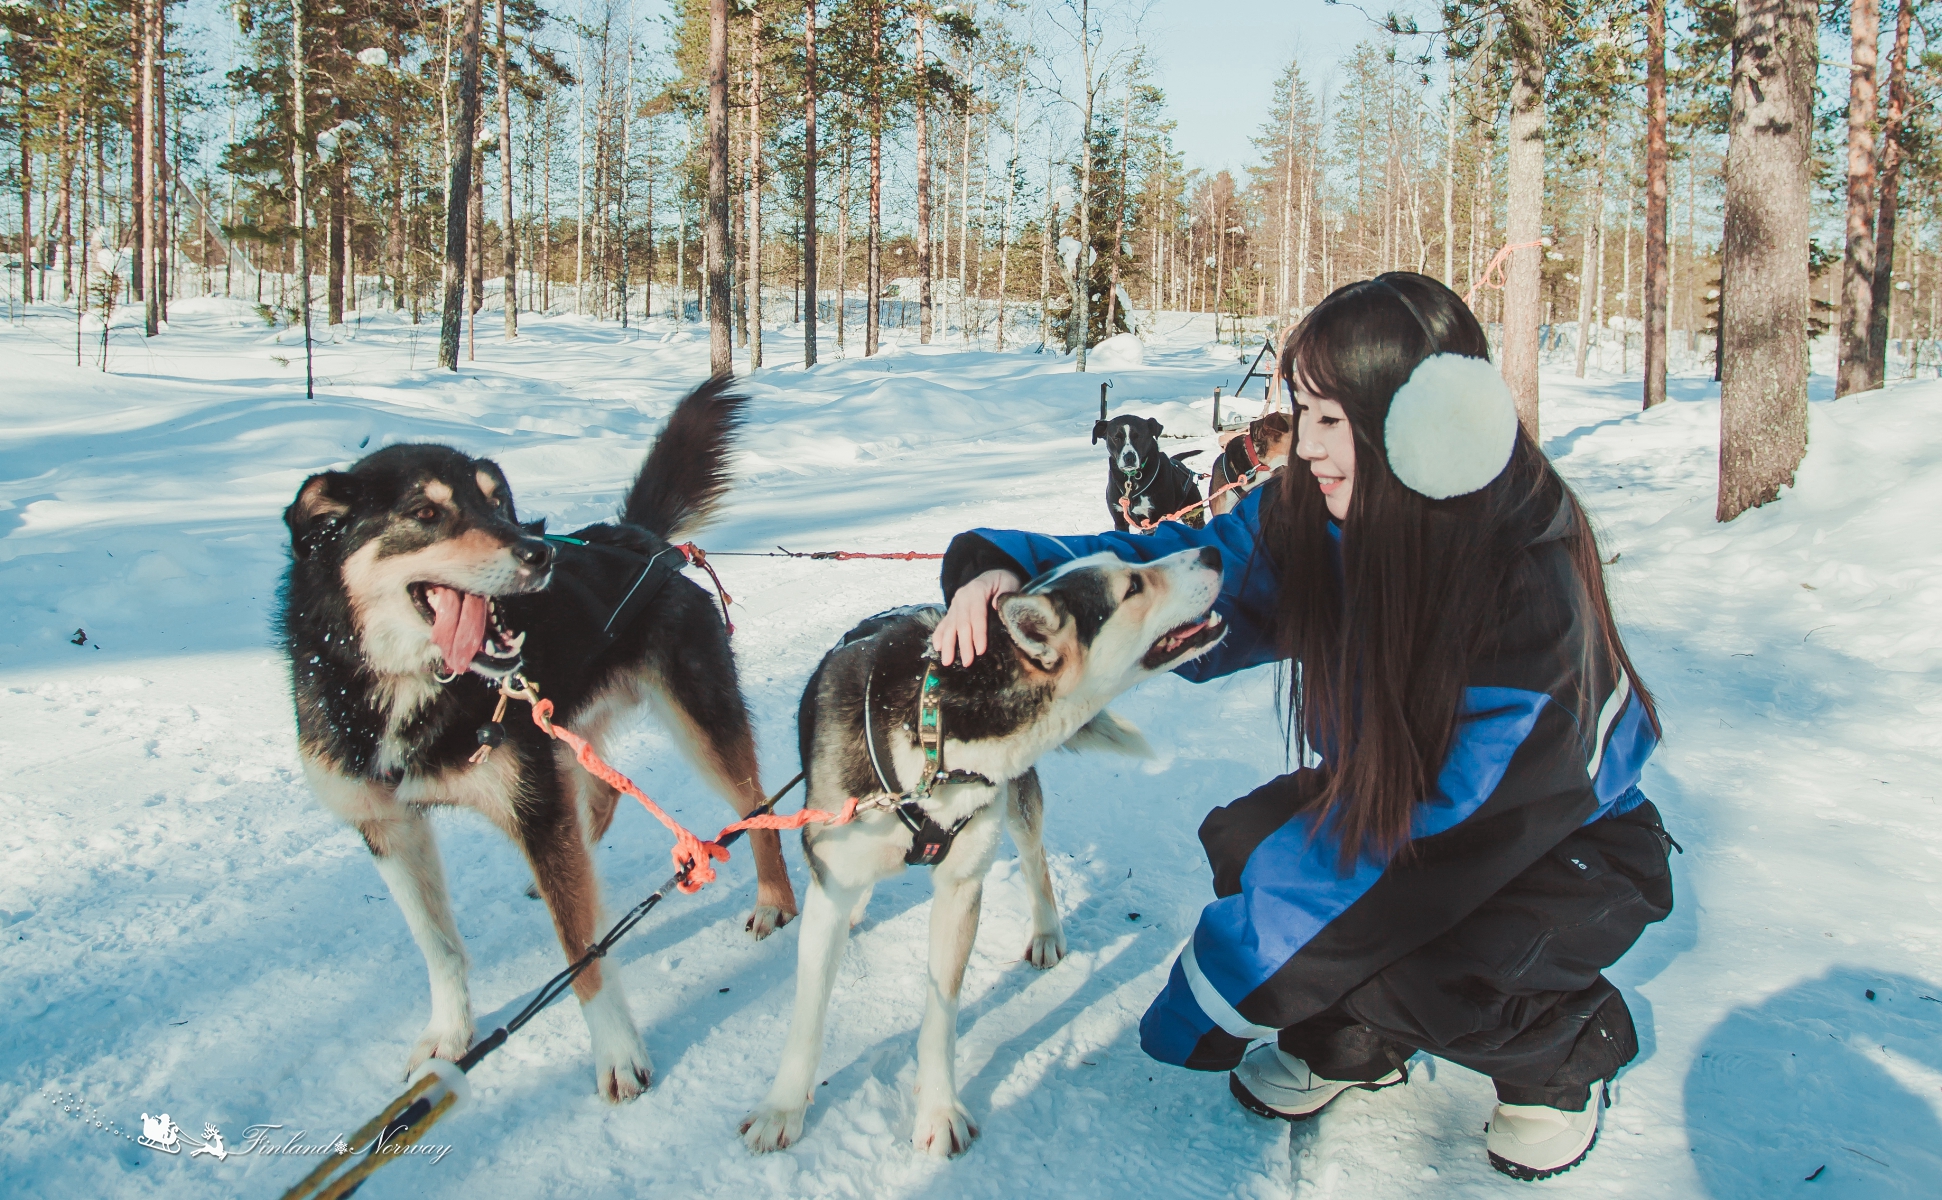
{"x": 694, "y": 858}
{"x": 697, "y": 557}
{"x": 1148, "y": 526}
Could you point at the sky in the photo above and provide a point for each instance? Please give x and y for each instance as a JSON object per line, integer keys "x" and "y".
{"x": 1218, "y": 59}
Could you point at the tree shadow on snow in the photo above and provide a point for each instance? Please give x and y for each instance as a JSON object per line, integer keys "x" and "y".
{"x": 1820, "y": 1076}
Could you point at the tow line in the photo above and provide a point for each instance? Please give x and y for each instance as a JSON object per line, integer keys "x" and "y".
{"x": 439, "y": 1086}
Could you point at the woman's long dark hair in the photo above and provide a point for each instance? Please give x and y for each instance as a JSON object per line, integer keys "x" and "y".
{"x": 1386, "y": 649}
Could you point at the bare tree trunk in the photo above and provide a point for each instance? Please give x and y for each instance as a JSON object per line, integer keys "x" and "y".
{"x": 299, "y": 186}
{"x": 1119, "y": 217}
{"x": 508, "y": 262}
{"x": 964, "y": 233}
{"x": 809, "y": 182}
{"x": 1658, "y": 284}
{"x": 1524, "y": 223}
{"x": 843, "y": 243}
{"x": 1011, "y": 188}
{"x": 754, "y": 269}
{"x": 1045, "y": 249}
{"x": 873, "y": 270}
{"x": 1882, "y": 289}
{"x": 458, "y": 189}
{"x": 334, "y": 245}
{"x": 1763, "y": 383}
{"x": 1081, "y": 271}
{"x": 1449, "y": 188}
{"x": 721, "y": 350}
{"x": 1858, "y": 268}
{"x": 1591, "y": 254}
{"x": 151, "y": 174}
{"x": 923, "y": 191}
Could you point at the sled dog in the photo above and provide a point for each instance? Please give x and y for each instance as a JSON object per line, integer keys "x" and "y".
{"x": 413, "y": 586}
{"x": 1151, "y": 482}
{"x": 1249, "y": 457}
{"x": 941, "y": 756}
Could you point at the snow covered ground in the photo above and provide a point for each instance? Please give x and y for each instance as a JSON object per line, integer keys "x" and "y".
{"x": 183, "y": 929}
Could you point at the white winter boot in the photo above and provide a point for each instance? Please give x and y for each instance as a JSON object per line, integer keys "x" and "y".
{"x": 1532, "y": 1141}
{"x": 1270, "y": 1082}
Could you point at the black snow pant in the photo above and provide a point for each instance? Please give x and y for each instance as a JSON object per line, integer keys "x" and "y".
{"x": 1515, "y": 989}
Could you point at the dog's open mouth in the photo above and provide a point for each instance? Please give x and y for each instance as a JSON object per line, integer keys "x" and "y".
{"x": 467, "y": 629}
{"x": 1183, "y": 640}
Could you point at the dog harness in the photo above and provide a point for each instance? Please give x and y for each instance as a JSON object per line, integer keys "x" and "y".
{"x": 930, "y": 842}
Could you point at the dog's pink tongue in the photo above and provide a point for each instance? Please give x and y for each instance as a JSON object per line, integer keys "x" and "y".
{"x": 458, "y": 625}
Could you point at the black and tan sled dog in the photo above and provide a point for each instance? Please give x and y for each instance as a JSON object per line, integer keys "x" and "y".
{"x": 413, "y": 586}
{"x": 941, "y": 757}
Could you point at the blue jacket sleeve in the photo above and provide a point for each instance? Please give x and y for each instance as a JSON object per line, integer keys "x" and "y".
{"x": 1248, "y": 583}
{"x": 1550, "y": 736}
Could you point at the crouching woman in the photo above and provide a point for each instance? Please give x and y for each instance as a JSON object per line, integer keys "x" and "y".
{"x": 1470, "y": 848}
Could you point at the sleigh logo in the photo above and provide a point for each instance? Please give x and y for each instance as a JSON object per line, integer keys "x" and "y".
{"x": 161, "y": 1133}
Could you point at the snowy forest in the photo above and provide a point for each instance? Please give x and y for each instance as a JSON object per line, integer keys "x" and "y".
{"x": 933, "y": 275}
{"x": 939, "y": 166}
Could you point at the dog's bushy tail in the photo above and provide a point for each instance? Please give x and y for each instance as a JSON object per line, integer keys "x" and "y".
{"x": 686, "y": 473}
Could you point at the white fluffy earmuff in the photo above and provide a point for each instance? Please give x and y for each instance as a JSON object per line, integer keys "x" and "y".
{"x": 1451, "y": 426}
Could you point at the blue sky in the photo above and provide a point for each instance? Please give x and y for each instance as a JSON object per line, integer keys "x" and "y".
{"x": 1218, "y": 60}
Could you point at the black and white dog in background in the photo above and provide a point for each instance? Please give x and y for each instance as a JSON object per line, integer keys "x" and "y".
{"x": 1060, "y": 650}
{"x": 1152, "y": 483}
{"x": 412, "y": 587}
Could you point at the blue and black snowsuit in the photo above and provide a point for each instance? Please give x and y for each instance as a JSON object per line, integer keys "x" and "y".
{"x": 1534, "y": 865}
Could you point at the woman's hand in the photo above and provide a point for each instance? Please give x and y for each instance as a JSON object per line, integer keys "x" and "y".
{"x": 961, "y": 635}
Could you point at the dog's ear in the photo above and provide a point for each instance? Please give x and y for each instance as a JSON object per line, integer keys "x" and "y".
{"x": 318, "y": 511}
{"x": 1100, "y": 429}
{"x": 492, "y": 483}
{"x": 1033, "y": 622}
{"x": 1153, "y": 427}
{"x": 1109, "y": 734}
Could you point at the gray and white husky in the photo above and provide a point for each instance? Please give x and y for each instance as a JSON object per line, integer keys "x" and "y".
{"x": 1060, "y": 650}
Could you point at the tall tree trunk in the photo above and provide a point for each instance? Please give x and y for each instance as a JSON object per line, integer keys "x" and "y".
{"x": 964, "y": 232}
{"x": 1591, "y": 254}
{"x": 1045, "y": 244}
{"x": 458, "y": 189}
{"x": 150, "y": 216}
{"x": 721, "y": 350}
{"x": 299, "y": 153}
{"x": 923, "y": 189}
{"x": 27, "y": 256}
{"x": 1763, "y": 259}
{"x": 1082, "y": 270}
{"x": 334, "y": 247}
{"x": 873, "y": 269}
{"x": 508, "y": 262}
{"x": 1658, "y": 283}
{"x": 1882, "y": 289}
{"x": 1119, "y": 215}
{"x": 1449, "y": 182}
{"x": 1524, "y": 223}
{"x": 1011, "y": 189}
{"x": 754, "y": 269}
{"x": 809, "y": 182}
{"x": 158, "y": 152}
{"x": 1858, "y": 267}
{"x": 843, "y": 243}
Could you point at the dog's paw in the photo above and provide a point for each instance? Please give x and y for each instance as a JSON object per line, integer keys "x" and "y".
{"x": 765, "y": 920}
{"x": 1046, "y": 949}
{"x": 770, "y": 1129}
{"x": 945, "y": 1132}
{"x": 622, "y": 1072}
{"x": 441, "y": 1039}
